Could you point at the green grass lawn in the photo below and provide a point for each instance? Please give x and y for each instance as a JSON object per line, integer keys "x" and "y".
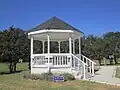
{"x": 118, "y": 72}
{"x": 20, "y": 66}
{"x": 15, "y": 81}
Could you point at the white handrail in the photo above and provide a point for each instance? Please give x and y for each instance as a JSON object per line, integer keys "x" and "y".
{"x": 87, "y": 58}
{"x": 91, "y": 67}
{"x": 40, "y": 55}
{"x": 56, "y": 54}
{"x": 60, "y": 54}
{"x": 79, "y": 60}
{"x": 55, "y": 58}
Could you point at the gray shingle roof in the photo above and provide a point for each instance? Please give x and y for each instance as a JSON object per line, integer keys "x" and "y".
{"x": 54, "y": 23}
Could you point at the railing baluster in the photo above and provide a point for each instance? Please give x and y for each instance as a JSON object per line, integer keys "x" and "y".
{"x": 57, "y": 61}
{"x": 42, "y": 59}
{"x": 89, "y": 62}
{"x": 86, "y": 61}
{"x": 92, "y": 69}
{"x": 84, "y": 76}
{"x": 53, "y": 61}
{"x": 66, "y": 59}
{"x": 62, "y": 60}
{"x": 78, "y": 65}
{"x": 81, "y": 70}
{"x": 74, "y": 61}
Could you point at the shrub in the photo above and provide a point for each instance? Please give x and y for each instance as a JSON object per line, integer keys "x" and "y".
{"x": 118, "y": 72}
{"x": 48, "y": 76}
{"x": 67, "y": 76}
{"x": 31, "y": 76}
{"x": 43, "y": 76}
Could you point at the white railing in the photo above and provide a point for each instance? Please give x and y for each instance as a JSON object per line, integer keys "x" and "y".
{"x": 78, "y": 62}
{"x": 79, "y": 65}
{"x": 60, "y": 60}
{"x": 89, "y": 62}
{"x": 55, "y": 60}
{"x": 39, "y": 59}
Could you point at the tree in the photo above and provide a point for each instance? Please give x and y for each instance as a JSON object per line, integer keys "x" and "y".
{"x": 112, "y": 44}
{"x": 14, "y": 45}
{"x": 91, "y": 47}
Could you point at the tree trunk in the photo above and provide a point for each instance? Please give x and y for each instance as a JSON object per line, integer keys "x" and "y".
{"x": 10, "y": 67}
{"x": 111, "y": 62}
{"x": 115, "y": 59}
{"x": 14, "y": 66}
{"x": 29, "y": 66}
{"x": 99, "y": 62}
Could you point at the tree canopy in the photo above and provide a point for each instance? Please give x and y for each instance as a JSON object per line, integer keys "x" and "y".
{"x": 15, "y": 45}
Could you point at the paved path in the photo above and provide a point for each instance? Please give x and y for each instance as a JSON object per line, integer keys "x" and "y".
{"x": 106, "y": 74}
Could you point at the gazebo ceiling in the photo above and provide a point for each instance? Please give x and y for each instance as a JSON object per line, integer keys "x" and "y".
{"x": 54, "y": 36}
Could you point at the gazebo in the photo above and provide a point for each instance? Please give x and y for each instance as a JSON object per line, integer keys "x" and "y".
{"x": 56, "y": 29}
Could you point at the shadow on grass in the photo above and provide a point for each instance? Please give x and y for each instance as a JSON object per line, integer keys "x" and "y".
{"x": 97, "y": 74}
{"x": 109, "y": 64}
{"x": 96, "y": 70}
{"x": 3, "y": 73}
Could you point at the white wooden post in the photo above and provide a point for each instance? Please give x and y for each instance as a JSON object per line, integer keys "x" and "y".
{"x": 48, "y": 38}
{"x": 84, "y": 76}
{"x": 73, "y": 46}
{"x": 80, "y": 45}
{"x": 79, "y": 39}
{"x": 31, "y": 53}
{"x": 59, "y": 45}
{"x": 74, "y": 52}
{"x": 70, "y": 51}
{"x": 48, "y": 44}
{"x": 81, "y": 70}
{"x": 79, "y": 54}
{"x": 90, "y": 67}
{"x": 93, "y": 69}
{"x": 43, "y": 46}
{"x": 70, "y": 47}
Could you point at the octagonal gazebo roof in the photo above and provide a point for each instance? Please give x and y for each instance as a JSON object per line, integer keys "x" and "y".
{"x": 57, "y": 28}
{"x": 54, "y": 23}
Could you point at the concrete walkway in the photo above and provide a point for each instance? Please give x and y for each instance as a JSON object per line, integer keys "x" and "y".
{"x": 106, "y": 75}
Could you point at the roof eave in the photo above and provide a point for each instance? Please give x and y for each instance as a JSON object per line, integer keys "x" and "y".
{"x": 51, "y": 30}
